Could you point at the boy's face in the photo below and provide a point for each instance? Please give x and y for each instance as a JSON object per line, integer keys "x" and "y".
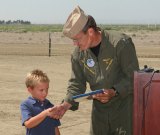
{"x": 40, "y": 91}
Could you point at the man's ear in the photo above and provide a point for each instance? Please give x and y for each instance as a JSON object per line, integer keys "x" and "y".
{"x": 90, "y": 31}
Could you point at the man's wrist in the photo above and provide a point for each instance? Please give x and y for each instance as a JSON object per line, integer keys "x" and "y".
{"x": 116, "y": 92}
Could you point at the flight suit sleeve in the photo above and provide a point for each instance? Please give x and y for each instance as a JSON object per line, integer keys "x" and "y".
{"x": 76, "y": 84}
{"x": 128, "y": 62}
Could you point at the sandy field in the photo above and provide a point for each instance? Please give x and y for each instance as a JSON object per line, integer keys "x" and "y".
{"x": 23, "y": 52}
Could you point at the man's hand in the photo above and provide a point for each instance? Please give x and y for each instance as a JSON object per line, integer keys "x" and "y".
{"x": 58, "y": 111}
{"x": 105, "y": 96}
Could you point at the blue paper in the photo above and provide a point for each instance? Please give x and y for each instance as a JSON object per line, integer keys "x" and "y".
{"x": 87, "y": 96}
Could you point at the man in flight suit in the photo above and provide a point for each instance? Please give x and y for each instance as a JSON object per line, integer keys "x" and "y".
{"x": 106, "y": 60}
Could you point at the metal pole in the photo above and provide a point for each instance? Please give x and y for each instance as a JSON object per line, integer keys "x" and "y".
{"x": 49, "y": 44}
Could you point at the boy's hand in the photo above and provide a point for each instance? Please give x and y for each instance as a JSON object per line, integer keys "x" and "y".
{"x": 58, "y": 111}
{"x": 51, "y": 111}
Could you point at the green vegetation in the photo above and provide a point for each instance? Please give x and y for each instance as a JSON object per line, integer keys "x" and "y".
{"x": 14, "y": 22}
{"x": 19, "y": 28}
{"x": 131, "y": 27}
{"x": 22, "y": 28}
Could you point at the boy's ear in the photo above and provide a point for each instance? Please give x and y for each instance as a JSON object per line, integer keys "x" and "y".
{"x": 29, "y": 89}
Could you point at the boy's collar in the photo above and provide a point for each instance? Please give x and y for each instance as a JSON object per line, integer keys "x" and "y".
{"x": 33, "y": 100}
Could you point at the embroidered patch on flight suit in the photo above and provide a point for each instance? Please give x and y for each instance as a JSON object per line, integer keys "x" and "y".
{"x": 108, "y": 62}
{"x": 90, "y": 63}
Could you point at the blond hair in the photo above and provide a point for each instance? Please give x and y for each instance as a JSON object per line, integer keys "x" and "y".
{"x": 34, "y": 77}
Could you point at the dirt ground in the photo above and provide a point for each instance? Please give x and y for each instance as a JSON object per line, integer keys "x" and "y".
{"x": 23, "y": 52}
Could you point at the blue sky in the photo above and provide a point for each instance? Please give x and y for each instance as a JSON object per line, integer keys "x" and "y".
{"x": 104, "y": 11}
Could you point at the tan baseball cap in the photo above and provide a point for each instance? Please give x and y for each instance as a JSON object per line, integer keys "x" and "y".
{"x": 75, "y": 22}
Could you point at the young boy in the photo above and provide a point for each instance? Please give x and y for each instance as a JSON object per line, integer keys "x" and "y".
{"x": 35, "y": 110}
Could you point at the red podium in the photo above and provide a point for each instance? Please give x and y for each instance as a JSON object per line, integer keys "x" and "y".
{"x": 146, "y": 111}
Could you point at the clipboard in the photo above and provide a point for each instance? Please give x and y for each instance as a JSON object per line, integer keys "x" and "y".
{"x": 86, "y": 96}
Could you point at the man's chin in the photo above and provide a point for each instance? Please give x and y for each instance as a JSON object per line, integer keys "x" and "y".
{"x": 82, "y": 49}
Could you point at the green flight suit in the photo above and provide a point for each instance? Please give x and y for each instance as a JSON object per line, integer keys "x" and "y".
{"x": 113, "y": 68}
